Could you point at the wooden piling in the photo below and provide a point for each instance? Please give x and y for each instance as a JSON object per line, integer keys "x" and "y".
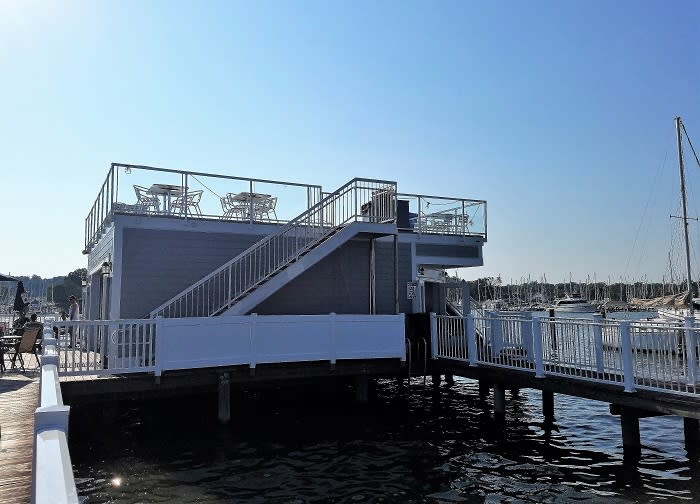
{"x": 224, "y": 398}
{"x": 631, "y": 442}
{"x": 484, "y": 390}
{"x": 548, "y": 405}
{"x": 362, "y": 388}
{"x": 691, "y": 430}
{"x": 499, "y": 401}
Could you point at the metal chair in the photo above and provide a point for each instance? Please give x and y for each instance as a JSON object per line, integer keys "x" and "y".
{"x": 192, "y": 203}
{"x": 233, "y": 209}
{"x": 145, "y": 200}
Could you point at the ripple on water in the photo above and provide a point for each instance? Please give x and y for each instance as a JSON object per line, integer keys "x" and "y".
{"x": 408, "y": 448}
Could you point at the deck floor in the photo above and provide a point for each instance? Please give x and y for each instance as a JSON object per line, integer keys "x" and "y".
{"x": 19, "y": 397}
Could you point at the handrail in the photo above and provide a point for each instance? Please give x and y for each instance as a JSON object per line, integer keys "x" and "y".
{"x": 370, "y": 199}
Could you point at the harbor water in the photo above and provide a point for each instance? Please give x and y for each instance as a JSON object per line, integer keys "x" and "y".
{"x": 314, "y": 443}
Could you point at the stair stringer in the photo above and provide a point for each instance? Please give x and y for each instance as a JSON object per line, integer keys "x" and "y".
{"x": 306, "y": 261}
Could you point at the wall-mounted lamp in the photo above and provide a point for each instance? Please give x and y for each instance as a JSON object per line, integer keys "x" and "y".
{"x": 106, "y": 268}
{"x": 83, "y": 283}
{"x": 127, "y": 169}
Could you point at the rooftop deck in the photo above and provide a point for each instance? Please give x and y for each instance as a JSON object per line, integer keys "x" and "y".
{"x": 179, "y": 194}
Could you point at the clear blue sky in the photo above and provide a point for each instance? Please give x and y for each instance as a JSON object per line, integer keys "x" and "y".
{"x": 560, "y": 114}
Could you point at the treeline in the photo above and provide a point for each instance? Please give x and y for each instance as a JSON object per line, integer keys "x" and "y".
{"x": 56, "y": 289}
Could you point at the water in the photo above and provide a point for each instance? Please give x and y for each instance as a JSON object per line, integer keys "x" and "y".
{"x": 315, "y": 444}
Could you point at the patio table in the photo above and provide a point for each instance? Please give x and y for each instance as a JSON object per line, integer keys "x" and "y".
{"x": 166, "y": 191}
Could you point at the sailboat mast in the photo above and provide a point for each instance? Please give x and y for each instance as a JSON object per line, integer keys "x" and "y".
{"x": 685, "y": 217}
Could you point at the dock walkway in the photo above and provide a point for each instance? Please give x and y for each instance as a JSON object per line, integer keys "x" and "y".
{"x": 19, "y": 397}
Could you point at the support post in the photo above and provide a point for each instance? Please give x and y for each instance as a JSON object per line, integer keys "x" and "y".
{"x": 372, "y": 281}
{"x": 484, "y": 390}
{"x": 433, "y": 335}
{"x": 470, "y": 335}
{"x": 437, "y": 379}
{"x": 362, "y": 389}
{"x": 690, "y": 345}
{"x": 598, "y": 342}
{"x": 396, "y": 274}
{"x": 691, "y": 430}
{"x": 537, "y": 347}
{"x": 627, "y": 360}
{"x": 224, "y": 398}
{"x": 631, "y": 444}
{"x": 548, "y": 405}
{"x": 499, "y": 401}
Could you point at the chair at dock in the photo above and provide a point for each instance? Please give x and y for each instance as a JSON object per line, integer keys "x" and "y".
{"x": 145, "y": 201}
{"x": 233, "y": 209}
{"x": 27, "y": 344}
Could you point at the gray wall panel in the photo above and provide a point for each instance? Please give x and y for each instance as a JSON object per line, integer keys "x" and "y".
{"x": 157, "y": 265}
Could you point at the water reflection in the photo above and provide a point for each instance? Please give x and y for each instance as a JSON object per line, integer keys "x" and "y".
{"x": 317, "y": 445}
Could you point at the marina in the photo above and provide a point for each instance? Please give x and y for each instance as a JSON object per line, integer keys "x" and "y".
{"x": 349, "y": 252}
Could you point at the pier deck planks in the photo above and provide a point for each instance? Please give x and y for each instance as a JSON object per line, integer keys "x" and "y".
{"x": 19, "y": 397}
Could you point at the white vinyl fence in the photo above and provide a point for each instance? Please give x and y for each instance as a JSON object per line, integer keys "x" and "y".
{"x": 636, "y": 355}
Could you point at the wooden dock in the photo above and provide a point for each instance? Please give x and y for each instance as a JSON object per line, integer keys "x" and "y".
{"x": 19, "y": 397}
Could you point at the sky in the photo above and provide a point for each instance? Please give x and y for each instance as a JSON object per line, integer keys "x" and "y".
{"x": 559, "y": 114}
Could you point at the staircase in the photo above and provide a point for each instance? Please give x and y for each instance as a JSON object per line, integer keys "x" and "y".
{"x": 361, "y": 205}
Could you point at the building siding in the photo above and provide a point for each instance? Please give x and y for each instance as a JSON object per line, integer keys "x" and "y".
{"x": 157, "y": 265}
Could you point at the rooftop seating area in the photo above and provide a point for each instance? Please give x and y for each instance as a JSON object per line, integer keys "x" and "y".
{"x": 163, "y": 192}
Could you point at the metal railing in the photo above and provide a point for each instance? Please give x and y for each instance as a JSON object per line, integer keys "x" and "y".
{"x": 359, "y": 200}
{"x": 635, "y": 355}
{"x": 152, "y": 191}
{"x": 443, "y": 215}
{"x": 105, "y": 347}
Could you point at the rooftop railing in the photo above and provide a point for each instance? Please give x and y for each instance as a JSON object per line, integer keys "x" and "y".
{"x": 441, "y": 215}
{"x": 152, "y": 191}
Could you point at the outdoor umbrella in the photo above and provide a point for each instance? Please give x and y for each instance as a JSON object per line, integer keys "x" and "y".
{"x": 7, "y": 278}
{"x": 21, "y": 301}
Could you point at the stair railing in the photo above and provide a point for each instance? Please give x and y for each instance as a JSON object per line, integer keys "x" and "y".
{"x": 361, "y": 199}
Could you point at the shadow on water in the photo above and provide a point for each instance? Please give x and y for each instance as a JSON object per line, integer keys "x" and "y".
{"x": 316, "y": 444}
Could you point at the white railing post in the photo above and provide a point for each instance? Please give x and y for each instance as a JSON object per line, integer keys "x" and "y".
{"x": 496, "y": 333}
{"x": 690, "y": 349}
{"x": 526, "y": 335}
{"x": 537, "y": 347}
{"x": 598, "y": 342}
{"x": 252, "y": 323}
{"x": 159, "y": 345}
{"x": 433, "y": 335}
{"x": 470, "y": 334}
{"x": 627, "y": 359}
{"x": 331, "y": 318}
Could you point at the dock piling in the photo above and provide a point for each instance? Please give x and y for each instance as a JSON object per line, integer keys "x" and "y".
{"x": 362, "y": 389}
{"x": 691, "y": 430}
{"x": 548, "y": 405}
{"x": 631, "y": 443}
{"x": 224, "y": 398}
{"x": 484, "y": 390}
{"x": 499, "y": 401}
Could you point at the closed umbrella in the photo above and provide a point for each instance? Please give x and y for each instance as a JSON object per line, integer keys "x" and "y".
{"x": 21, "y": 298}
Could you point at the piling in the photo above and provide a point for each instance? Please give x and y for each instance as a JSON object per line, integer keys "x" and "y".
{"x": 631, "y": 443}
{"x": 449, "y": 380}
{"x": 548, "y": 405}
{"x": 691, "y": 429}
{"x": 499, "y": 401}
{"x": 224, "y": 398}
{"x": 362, "y": 389}
{"x": 483, "y": 390}
{"x": 437, "y": 379}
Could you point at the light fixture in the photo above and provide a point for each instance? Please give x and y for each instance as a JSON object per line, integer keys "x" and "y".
{"x": 127, "y": 169}
{"x": 106, "y": 268}
{"x": 83, "y": 283}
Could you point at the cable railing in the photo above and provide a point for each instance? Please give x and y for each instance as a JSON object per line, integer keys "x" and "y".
{"x": 163, "y": 192}
{"x": 634, "y": 355}
{"x": 364, "y": 200}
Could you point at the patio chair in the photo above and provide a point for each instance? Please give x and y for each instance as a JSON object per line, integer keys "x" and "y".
{"x": 233, "y": 209}
{"x": 267, "y": 207}
{"x": 192, "y": 204}
{"x": 145, "y": 201}
{"x": 27, "y": 344}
